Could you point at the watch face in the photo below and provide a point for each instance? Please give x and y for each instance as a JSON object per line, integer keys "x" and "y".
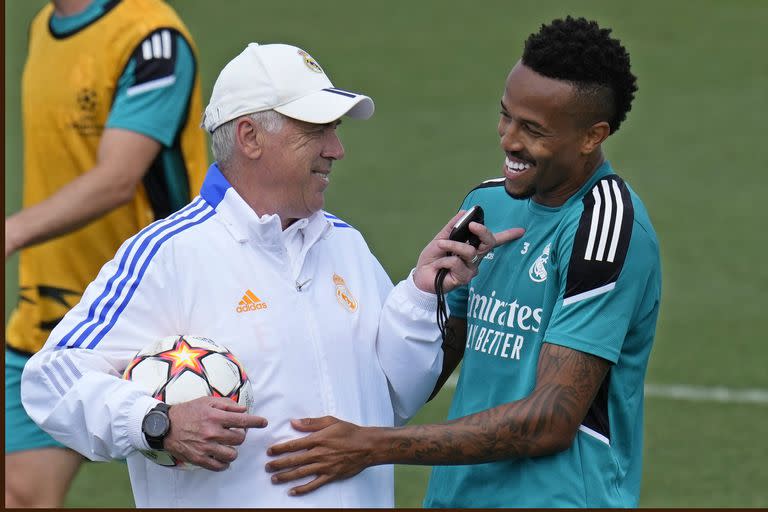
{"x": 155, "y": 424}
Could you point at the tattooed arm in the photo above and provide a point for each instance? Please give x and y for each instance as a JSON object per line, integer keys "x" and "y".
{"x": 543, "y": 423}
{"x": 453, "y": 350}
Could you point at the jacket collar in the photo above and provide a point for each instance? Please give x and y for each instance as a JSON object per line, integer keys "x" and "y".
{"x": 244, "y": 224}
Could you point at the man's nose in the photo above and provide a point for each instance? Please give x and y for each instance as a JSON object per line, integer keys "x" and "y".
{"x": 333, "y": 148}
{"x": 509, "y": 134}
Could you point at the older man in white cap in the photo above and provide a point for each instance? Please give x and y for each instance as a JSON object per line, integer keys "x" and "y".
{"x": 330, "y": 335}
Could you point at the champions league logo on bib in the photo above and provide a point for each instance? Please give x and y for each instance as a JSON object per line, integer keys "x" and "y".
{"x": 538, "y": 272}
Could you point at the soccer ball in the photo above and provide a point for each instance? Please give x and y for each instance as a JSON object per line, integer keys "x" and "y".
{"x": 180, "y": 368}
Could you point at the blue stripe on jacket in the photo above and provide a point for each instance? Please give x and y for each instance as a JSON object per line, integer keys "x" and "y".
{"x": 144, "y": 237}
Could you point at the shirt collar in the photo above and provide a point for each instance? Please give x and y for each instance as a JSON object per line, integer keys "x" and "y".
{"x": 244, "y": 224}
{"x": 64, "y": 25}
{"x": 603, "y": 170}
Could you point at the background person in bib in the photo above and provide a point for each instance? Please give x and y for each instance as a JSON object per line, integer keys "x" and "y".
{"x": 110, "y": 104}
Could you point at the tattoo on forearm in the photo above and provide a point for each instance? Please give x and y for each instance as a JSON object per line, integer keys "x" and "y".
{"x": 567, "y": 381}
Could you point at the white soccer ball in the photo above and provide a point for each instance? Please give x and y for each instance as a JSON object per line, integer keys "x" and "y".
{"x": 181, "y": 368}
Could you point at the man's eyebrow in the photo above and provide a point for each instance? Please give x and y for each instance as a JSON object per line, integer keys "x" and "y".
{"x": 524, "y": 120}
{"x": 319, "y": 127}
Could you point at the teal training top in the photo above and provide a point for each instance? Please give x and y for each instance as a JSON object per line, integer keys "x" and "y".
{"x": 585, "y": 275}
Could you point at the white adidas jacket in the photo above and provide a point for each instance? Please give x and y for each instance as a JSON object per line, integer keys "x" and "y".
{"x": 370, "y": 355}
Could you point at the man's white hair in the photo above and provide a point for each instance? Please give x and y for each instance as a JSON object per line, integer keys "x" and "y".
{"x": 223, "y": 138}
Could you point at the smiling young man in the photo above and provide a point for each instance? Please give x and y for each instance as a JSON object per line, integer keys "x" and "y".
{"x": 556, "y": 329}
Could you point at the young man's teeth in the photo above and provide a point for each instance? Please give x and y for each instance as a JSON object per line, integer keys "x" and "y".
{"x": 516, "y": 166}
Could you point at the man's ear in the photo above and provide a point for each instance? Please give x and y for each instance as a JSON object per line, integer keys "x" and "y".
{"x": 595, "y": 136}
{"x": 249, "y": 138}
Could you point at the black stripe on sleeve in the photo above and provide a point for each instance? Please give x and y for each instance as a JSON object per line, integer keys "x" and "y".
{"x": 597, "y": 416}
{"x": 155, "y": 56}
{"x": 602, "y": 238}
{"x": 167, "y": 182}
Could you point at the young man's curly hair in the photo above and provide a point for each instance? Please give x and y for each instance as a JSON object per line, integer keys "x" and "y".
{"x": 579, "y": 51}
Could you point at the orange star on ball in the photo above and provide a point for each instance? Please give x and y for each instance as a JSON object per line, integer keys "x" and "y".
{"x": 184, "y": 357}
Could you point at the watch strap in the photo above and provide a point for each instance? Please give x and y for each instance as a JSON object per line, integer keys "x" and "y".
{"x": 156, "y": 442}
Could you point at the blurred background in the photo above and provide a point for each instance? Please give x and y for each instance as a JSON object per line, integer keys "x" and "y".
{"x": 694, "y": 147}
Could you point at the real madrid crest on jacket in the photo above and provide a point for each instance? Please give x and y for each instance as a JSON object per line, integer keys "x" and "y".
{"x": 571, "y": 280}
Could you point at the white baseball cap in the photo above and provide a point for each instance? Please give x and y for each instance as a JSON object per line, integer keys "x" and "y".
{"x": 283, "y": 78}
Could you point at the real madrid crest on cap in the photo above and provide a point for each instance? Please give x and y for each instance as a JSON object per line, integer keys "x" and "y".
{"x": 343, "y": 295}
{"x": 310, "y": 62}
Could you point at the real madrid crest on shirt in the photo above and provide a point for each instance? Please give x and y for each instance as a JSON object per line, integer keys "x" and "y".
{"x": 343, "y": 295}
{"x": 538, "y": 271}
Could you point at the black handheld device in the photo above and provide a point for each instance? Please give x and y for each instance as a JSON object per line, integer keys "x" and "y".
{"x": 459, "y": 233}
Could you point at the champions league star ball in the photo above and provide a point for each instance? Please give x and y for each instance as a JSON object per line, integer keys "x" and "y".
{"x": 181, "y": 368}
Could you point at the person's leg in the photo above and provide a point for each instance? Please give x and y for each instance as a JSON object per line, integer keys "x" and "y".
{"x": 38, "y": 469}
{"x": 39, "y": 478}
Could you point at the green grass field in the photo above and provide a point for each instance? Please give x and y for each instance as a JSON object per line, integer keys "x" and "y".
{"x": 694, "y": 147}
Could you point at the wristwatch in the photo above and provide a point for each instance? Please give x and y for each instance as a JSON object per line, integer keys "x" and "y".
{"x": 156, "y": 425}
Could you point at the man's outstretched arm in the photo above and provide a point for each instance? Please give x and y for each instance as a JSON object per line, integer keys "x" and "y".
{"x": 543, "y": 423}
{"x": 123, "y": 159}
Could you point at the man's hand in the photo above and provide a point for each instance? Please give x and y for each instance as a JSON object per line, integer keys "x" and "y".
{"x": 206, "y": 430}
{"x": 462, "y": 265}
{"x": 337, "y": 450}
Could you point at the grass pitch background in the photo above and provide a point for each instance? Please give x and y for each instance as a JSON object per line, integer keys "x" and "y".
{"x": 693, "y": 146}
